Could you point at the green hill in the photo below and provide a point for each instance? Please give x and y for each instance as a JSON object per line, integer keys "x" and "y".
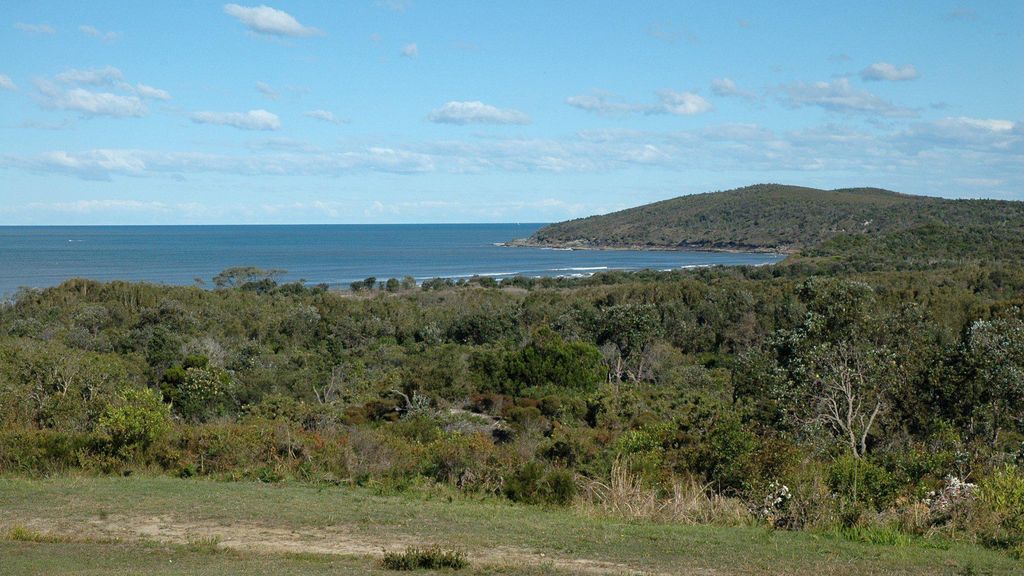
{"x": 779, "y": 218}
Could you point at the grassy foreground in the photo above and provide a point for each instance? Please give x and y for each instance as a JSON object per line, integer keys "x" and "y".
{"x": 171, "y": 526}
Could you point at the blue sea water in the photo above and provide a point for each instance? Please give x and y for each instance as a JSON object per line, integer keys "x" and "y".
{"x": 44, "y": 256}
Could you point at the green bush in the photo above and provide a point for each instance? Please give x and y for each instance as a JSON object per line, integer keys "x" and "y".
{"x": 433, "y": 558}
{"x": 549, "y": 360}
{"x": 464, "y": 460}
{"x": 563, "y": 407}
{"x": 42, "y": 451}
{"x": 262, "y": 450}
{"x": 711, "y": 440}
{"x": 1001, "y": 513}
{"x": 642, "y": 451}
{"x": 859, "y": 483}
{"x": 560, "y": 487}
{"x": 536, "y": 484}
{"x": 136, "y": 420}
{"x": 196, "y": 390}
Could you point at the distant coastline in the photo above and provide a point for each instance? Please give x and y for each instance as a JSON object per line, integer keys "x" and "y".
{"x": 336, "y": 255}
{"x": 587, "y": 245}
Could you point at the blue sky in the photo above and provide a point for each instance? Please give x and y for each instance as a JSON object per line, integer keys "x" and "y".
{"x": 413, "y": 111}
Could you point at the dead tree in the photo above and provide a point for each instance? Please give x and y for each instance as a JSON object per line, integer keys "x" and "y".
{"x": 846, "y": 394}
{"x": 332, "y": 391}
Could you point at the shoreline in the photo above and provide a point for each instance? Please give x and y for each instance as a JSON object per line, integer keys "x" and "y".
{"x": 583, "y": 245}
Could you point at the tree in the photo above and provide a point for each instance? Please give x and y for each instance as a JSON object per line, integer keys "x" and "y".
{"x": 846, "y": 393}
{"x": 197, "y": 391}
{"x": 837, "y": 369}
{"x": 836, "y": 308}
{"x": 550, "y": 361}
{"x": 995, "y": 352}
{"x": 241, "y": 275}
{"x": 625, "y": 332}
{"x": 332, "y": 391}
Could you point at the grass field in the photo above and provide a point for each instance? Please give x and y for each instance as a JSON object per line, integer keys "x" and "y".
{"x": 170, "y": 526}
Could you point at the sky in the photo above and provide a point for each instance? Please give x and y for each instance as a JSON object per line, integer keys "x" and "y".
{"x": 406, "y": 111}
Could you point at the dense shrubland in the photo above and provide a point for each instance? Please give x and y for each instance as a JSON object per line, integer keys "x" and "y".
{"x": 870, "y": 402}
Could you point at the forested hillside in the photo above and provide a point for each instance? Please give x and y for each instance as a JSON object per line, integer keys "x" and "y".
{"x": 774, "y": 217}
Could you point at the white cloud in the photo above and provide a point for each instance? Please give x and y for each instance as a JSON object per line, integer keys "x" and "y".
{"x": 885, "y": 71}
{"x": 387, "y": 159}
{"x": 100, "y": 103}
{"x": 839, "y": 96}
{"x": 251, "y": 120}
{"x": 670, "y": 102}
{"x": 267, "y": 20}
{"x": 35, "y": 28}
{"x": 600, "y": 102}
{"x": 965, "y": 133}
{"x": 924, "y": 156}
{"x": 97, "y": 164}
{"x": 7, "y": 84}
{"x": 93, "y": 76}
{"x": 326, "y": 116}
{"x": 89, "y": 103}
{"x": 979, "y": 124}
{"x": 476, "y": 112}
{"x": 267, "y": 90}
{"x": 96, "y": 33}
{"x": 680, "y": 104}
{"x": 110, "y": 76}
{"x": 410, "y": 50}
{"x": 737, "y": 133}
{"x": 76, "y": 90}
{"x": 726, "y": 87}
{"x": 103, "y": 164}
{"x": 646, "y": 154}
{"x": 150, "y": 93}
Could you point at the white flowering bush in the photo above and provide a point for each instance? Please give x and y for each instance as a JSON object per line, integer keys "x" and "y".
{"x": 776, "y": 503}
{"x": 419, "y": 405}
{"x": 954, "y": 494}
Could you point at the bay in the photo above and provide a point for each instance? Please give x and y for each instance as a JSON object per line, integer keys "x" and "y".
{"x": 44, "y": 256}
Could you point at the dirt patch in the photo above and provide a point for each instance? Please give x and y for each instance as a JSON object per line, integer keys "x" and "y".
{"x": 340, "y": 540}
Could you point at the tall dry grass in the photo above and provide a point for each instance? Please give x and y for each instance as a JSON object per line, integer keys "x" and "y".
{"x": 625, "y": 495}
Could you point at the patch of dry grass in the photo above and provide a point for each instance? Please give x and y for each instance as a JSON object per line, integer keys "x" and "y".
{"x": 690, "y": 502}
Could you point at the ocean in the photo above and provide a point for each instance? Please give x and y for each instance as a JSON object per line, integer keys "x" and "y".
{"x": 42, "y": 256}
